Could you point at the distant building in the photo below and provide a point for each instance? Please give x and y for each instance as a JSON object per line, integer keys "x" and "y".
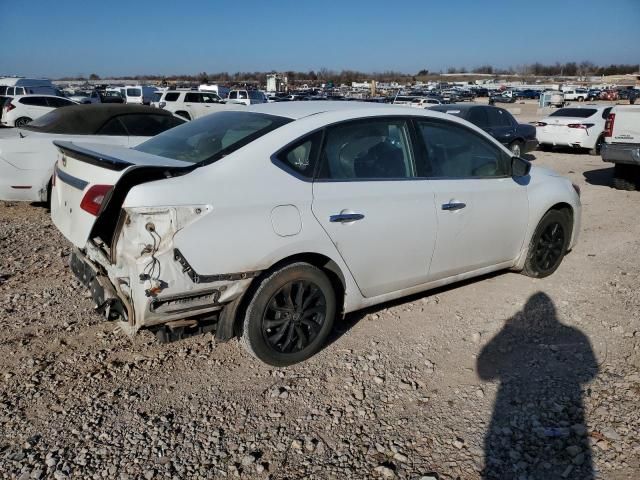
{"x": 276, "y": 82}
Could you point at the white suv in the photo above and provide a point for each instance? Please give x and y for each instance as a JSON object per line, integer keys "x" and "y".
{"x": 191, "y": 104}
{"x": 21, "y": 109}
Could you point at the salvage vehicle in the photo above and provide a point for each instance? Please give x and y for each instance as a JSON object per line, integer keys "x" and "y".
{"x": 269, "y": 222}
{"x": 577, "y": 127}
{"x": 27, "y": 155}
{"x": 193, "y": 104}
{"x": 622, "y": 146}
{"x": 520, "y": 138}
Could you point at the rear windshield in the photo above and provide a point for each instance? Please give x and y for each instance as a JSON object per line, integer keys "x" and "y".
{"x": 211, "y": 137}
{"x": 574, "y": 112}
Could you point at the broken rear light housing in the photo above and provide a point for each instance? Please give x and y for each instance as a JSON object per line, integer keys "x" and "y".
{"x": 94, "y": 199}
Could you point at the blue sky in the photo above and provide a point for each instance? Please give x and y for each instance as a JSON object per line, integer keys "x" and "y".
{"x": 115, "y": 37}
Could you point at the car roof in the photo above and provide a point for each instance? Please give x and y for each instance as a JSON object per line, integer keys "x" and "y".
{"x": 87, "y": 119}
{"x": 297, "y": 110}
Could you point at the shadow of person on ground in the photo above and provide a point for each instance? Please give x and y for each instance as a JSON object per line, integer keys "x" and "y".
{"x": 538, "y": 429}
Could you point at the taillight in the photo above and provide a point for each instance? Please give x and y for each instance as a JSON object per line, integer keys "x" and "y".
{"x": 608, "y": 126}
{"x": 583, "y": 126}
{"x": 9, "y": 106}
{"x": 94, "y": 198}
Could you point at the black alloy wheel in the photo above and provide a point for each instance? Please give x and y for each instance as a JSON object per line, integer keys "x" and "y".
{"x": 294, "y": 316}
{"x": 548, "y": 244}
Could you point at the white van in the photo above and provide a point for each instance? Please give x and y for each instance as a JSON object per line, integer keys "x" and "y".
{"x": 219, "y": 90}
{"x": 138, "y": 94}
{"x": 11, "y": 86}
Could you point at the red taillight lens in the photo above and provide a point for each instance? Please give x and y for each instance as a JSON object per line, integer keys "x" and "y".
{"x": 94, "y": 198}
{"x": 9, "y": 106}
{"x": 583, "y": 126}
{"x": 608, "y": 126}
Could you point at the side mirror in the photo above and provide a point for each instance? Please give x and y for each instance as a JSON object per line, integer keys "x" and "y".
{"x": 520, "y": 167}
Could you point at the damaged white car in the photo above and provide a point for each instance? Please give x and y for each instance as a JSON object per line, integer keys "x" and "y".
{"x": 268, "y": 223}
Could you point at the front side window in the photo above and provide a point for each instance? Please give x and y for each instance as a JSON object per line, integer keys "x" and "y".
{"x": 453, "y": 151}
{"x": 499, "y": 117}
{"x": 210, "y": 98}
{"x": 367, "y": 149}
{"x": 233, "y": 95}
{"x": 192, "y": 97}
{"x": 242, "y": 95}
{"x": 478, "y": 116}
{"x": 212, "y": 137}
{"x": 58, "y": 102}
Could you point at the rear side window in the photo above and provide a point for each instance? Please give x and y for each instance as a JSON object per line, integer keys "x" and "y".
{"x": 453, "y": 151}
{"x": 171, "y": 96}
{"x": 113, "y": 127}
{"x": 367, "y": 149}
{"x": 302, "y": 155}
{"x": 478, "y": 116}
{"x": 233, "y": 95}
{"x": 499, "y": 117}
{"x": 148, "y": 125}
{"x": 574, "y": 112}
{"x": 35, "y": 101}
{"x": 58, "y": 102}
{"x": 192, "y": 97}
{"x": 242, "y": 94}
{"x": 134, "y": 92}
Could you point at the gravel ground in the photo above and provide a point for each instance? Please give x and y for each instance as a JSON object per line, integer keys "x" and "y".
{"x": 501, "y": 377}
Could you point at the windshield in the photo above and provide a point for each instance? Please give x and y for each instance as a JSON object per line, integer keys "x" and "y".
{"x": 134, "y": 92}
{"x": 574, "y": 112}
{"x": 211, "y": 137}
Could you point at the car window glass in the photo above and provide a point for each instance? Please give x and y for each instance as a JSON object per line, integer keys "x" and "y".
{"x": 113, "y": 127}
{"x": 35, "y": 101}
{"x": 574, "y": 112}
{"x": 192, "y": 97}
{"x": 134, "y": 92}
{"x": 171, "y": 96}
{"x": 453, "y": 151}
{"x": 301, "y": 156}
{"x": 367, "y": 149}
{"x": 478, "y": 116}
{"x": 144, "y": 125}
{"x": 233, "y": 95}
{"x": 242, "y": 94}
{"x": 498, "y": 117}
{"x": 605, "y": 112}
{"x": 210, "y": 98}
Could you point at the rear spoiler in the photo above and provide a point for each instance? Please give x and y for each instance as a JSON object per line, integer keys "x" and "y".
{"x": 91, "y": 157}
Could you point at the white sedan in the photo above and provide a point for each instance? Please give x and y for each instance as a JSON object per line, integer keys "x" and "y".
{"x": 577, "y": 127}
{"x": 270, "y": 222}
{"x": 27, "y": 155}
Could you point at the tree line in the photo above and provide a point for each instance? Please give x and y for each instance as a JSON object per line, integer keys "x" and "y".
{"x": 324, "y": 75}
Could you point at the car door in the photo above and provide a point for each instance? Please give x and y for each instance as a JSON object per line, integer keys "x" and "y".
{"x": 482, "y": 211}
{"x": 35, "y": 106}
{"x": 192, "y": 104}
{"x": 378, "y": 214}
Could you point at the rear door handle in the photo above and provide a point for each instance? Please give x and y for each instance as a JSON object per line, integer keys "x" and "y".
{"x": 346, "y": 217}
{"x": 451, "y": 206}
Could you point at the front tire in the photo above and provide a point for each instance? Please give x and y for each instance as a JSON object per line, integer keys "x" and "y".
{"x": 516, "y": 148}
{"x": 548, "y": 244}
{"x": 21, "y": 122}
{"x": 290, "y": 315}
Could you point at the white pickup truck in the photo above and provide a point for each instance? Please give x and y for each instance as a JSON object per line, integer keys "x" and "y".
{"x": 579, "y": 94}
{"x": 622, "y": 146}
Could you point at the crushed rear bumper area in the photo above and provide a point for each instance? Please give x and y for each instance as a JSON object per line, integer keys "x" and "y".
{"x": 102, "y": 292}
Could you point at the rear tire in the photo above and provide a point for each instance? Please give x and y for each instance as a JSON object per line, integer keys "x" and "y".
{"x": 21, "y": 122}
{"x": 290, "y": 315}
{"x": 625, "y": 177}
{"x": 548, "y": 244}
{"x": 596, "y": 148}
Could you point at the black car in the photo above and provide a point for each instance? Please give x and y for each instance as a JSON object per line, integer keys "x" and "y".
{"x": 518, "y": 137}
{"x": 499, "y": 97}
{"x": 528, "y": 93}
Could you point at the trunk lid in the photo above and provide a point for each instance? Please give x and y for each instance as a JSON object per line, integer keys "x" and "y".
{"x": 626, "y": 126}
{"x": 87, "y": 178}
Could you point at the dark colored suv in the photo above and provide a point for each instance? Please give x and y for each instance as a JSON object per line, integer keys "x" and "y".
{"x": 518, "y": 137}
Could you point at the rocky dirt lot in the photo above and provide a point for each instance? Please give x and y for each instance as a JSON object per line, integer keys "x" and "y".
{"x": 531, "y": 378}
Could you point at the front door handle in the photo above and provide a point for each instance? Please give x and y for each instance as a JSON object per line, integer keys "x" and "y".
{"x": 346, "y": 217}
{"x": 452, "y": 206}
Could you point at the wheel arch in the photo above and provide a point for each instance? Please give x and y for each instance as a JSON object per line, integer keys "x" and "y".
{"x": 230, "y": 322}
